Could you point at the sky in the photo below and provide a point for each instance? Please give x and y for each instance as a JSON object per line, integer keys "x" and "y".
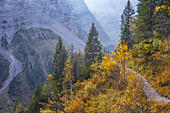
{"x": 116, "y": 6}
{"x": 108, "y": 13}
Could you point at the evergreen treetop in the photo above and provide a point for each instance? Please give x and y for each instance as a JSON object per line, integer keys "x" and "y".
{"x": 126, "y": 17}
{"x": 34, "y": 106}
{"x": 93, "y": 46}
{"x": 59, "y": 58}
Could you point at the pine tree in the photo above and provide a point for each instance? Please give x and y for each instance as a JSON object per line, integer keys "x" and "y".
{"x": 93, "y": 46}
{"x": 145, "y": 20}
{"x": 161, "y": 18}
{"x": 126, "y": 17}
{"x": 59, "y": 58}
{"x": 73, "y": 59}
{"x": 34, "y": 106}
{"x": 71, "y": 53}
{"x": 78, "y": 63}
{"x": 15, "y": 106}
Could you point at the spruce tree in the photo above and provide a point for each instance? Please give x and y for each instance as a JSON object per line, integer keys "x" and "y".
{"x": 71, "y": 53}
{"x": 127, "y": 15}
{"x": 93, "y": 46}
{"x": 151, "y": 22}
{"x": 72, "y": 58}
{"x": 161, "y": 18}
{"x": 34, "y": 106}
{"x": 15, "y": 105}
{"x": 59, "y": 58}
{"x": 145, "y": 18}
{"x": 18, "y": 107}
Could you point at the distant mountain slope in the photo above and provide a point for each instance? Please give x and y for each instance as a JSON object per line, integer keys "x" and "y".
{"x": 84, "y": 17}
{"x": 53, "y": 14}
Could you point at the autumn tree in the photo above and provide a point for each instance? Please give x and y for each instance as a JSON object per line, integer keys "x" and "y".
{"x": 68, "y": 76}
{"x": 126, "y": 17}
{"x": 48, "y": 86}
{"x": 116, "y": 63}
{"x": 59, "y": 58}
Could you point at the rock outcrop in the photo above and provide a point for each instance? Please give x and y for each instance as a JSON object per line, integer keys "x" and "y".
{"x": 64, "y": 17}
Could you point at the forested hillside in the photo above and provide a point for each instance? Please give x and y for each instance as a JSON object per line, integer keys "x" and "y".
{"x": 95, "y": 81}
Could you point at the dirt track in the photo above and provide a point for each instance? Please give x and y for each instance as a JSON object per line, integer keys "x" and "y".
{"x": 149, "y": 90}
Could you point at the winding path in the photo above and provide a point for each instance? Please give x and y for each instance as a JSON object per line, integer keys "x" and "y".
{"x": 14, "y": 69}
{"x": 149, "y": 90}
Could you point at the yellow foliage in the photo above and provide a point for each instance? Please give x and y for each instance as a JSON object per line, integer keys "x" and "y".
{"x": 68, "y": 74}
{"x": 111, "y": 88}
{"x": 47, "y": 111}
{"x": 153, "y": 62}
{"x": 162, "y": 8}
{"x": 50, "y": 76}
{"x": 47, "y": 88}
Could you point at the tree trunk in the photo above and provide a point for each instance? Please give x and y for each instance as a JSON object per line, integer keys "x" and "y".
{"x": 70, "y": 86}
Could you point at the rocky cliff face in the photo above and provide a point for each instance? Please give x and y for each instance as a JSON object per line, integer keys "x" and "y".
{"x": 29, "y": 31}
{"x": 52, "y": 14}
{"x": 84, "y": 18}
{"x": 61, "y": 16}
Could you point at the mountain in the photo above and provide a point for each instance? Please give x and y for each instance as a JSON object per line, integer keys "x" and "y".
{"x": 29, "y": 31}
{"x": 84, "y": 18}
{"x": 108, "y": 13}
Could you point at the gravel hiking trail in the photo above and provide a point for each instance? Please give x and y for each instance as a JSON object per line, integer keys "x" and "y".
{"x": 149, "y": 90}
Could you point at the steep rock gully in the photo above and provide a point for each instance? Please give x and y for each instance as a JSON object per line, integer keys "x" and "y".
{"x": 14, "y": 69}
